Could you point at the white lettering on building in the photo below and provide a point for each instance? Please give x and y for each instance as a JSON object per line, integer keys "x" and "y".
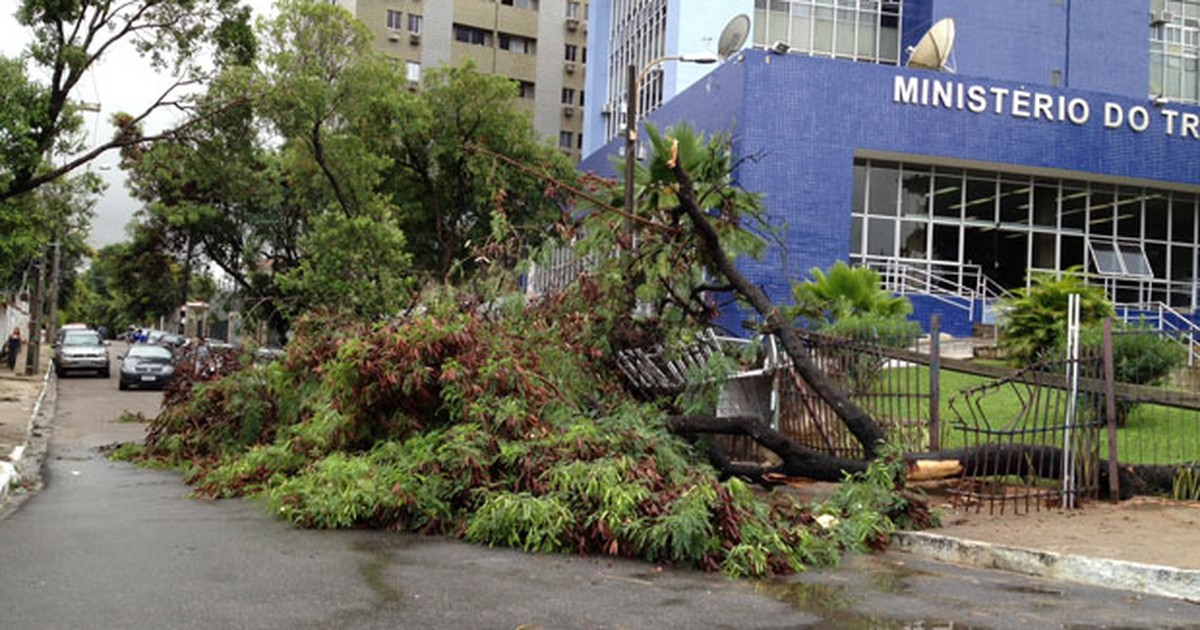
{"x": 950, "y": 94}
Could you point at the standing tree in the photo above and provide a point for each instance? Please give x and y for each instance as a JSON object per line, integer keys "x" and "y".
{"x": 70, "y": 38}
{"x": 316, "y": 177}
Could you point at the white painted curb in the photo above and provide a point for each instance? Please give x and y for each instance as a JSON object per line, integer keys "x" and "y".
{"x": 1147, "y": 579}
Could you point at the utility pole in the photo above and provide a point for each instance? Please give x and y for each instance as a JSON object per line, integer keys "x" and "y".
{"x": 34, "y": 344}
{"x": 52, "y": 318}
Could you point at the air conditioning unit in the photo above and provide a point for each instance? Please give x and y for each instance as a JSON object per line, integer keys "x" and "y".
{"x": 568, "y": 110}
{"x": 414, "y": 38}
{"x": 569, "y": 67}
{"x": 607, "y": 109}
{"x": 393, "y": 36}
{"x": 572, "y": 24}
{"x": 1161, "y": 17}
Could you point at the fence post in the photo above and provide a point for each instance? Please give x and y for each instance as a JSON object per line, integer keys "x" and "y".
{"x": 935, "y": 383}
{"x": 1110, "y": 411}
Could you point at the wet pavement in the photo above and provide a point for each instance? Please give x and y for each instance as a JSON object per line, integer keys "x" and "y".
{"x": 108, "y": 545}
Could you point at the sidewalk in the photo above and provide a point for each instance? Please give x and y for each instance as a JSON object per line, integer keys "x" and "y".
{"x": 22, "y": 402}
{"x": 1144, "y": 545}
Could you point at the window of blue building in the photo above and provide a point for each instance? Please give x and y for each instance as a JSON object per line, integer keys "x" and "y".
{"x": 862, "y": 30}
{"x": 973, "y": 226}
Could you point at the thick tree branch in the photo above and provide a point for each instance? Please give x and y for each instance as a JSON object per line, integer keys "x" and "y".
{"x": 857, "y": 421}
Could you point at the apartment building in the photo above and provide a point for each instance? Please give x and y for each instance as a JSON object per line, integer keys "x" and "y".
{"x": 540, "y": 44}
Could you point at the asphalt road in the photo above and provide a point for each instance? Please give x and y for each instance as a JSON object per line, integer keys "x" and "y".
{"x": 107, "y": 545}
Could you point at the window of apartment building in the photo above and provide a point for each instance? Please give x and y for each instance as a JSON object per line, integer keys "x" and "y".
{"x": 469, "y": 35}
{"x": 568, "y": 96}
{"x": 566, "y": 139}
{"x": 574, "y": 10}
{"x": 571, "y": 53}
{"x": 581, "y": 98}
{"x": 1175, "y": 49}
{"x": 518, "y": 44}
{"x": 532, "y": 5}
{"x": 862, "y": 30}
{"x": 412, "y": 71}
{"x": 395, "y": 20}
{"x": 525, "y": 89}
{"x": 415, "y": 22}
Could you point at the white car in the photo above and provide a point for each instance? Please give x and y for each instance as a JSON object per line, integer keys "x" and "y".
{"x": 81, "y": 350}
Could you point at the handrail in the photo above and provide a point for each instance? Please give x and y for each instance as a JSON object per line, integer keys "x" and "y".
{"x": 941, "y": 280}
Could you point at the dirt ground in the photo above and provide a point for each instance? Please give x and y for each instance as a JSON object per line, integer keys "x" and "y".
{"x": 1146, "y": 530}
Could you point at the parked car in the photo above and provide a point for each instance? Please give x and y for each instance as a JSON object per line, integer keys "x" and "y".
{"x": 79, "y": 350}
{"x": 58, "y": 334}
{"x": 165, "y": 338}
{"x": 146, "y": 365}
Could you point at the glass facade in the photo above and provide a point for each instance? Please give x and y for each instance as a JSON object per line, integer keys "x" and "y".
{"x": 638, "y": 36}
{"x": 862, "y": 30}
{"x": 1140, "y": 242}
{"x": 1175, "y": 49}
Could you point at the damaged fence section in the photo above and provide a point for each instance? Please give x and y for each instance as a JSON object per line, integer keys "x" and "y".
{"x": 1050, "y": 435}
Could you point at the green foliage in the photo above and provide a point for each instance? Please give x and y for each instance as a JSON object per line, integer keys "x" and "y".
{"x": 317, "y": 179}
{"x": 875, "y": 328}
{"x": 526, "y": 522}
{"x": 67, "y": 39}
{"x": 1034, "y": 319}
{"x": 501, "y": 427}
{"x": 667, "y": 272}
{"x": 844, "y": 292}
{"x": 1141, "y": 356}
{"x": 357, "y": 265}
{"x": 872, "y": 505}
{"x": 685, "y": 533}
{"x": 1186, "y": 485}
{"x": 127, "y": 452}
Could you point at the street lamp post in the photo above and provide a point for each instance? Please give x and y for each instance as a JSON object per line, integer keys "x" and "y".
{"x": 633, "y": 80}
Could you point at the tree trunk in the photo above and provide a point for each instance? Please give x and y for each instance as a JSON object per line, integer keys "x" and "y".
{"x": 857, "y": 421}
{"x": 984, "y": 461}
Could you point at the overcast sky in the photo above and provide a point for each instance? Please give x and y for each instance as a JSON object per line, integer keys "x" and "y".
{"x": 122, "y": 82}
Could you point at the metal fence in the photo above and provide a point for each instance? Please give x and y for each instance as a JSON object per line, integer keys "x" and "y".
{"x": 1032, "y": 438}
{"x": 1038, "y": 435}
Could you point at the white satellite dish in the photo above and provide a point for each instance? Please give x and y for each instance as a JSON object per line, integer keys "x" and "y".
{"x": 733, "y": 35}
{"x": 934, "y": 48}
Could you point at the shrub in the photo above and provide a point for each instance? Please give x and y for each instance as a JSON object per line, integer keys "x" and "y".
{"x": 1140, "y": 357}
{"x": 1034, "y": 319}
{"x": 843, "y": 292}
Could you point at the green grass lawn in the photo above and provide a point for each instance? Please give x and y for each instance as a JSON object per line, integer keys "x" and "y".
{"x": 1152, "y": 435}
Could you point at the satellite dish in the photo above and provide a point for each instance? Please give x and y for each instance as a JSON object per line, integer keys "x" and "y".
{"x": 934, "y": 48}
{"x": 733, "y": 36}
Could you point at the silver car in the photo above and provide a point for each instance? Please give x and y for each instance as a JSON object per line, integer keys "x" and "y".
{"x": 80, "y": 350}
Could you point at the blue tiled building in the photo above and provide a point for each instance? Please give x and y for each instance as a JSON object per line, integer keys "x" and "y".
{"x": 1067, "y": 134}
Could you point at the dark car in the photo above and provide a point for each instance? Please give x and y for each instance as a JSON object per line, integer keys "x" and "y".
{"x": 147, "y": 365}
{"x": 78, "y": 350}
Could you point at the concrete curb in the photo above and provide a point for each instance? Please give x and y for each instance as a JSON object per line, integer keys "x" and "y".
{"x": 1147, "y": 579}
{"x": 10, "y": 466}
